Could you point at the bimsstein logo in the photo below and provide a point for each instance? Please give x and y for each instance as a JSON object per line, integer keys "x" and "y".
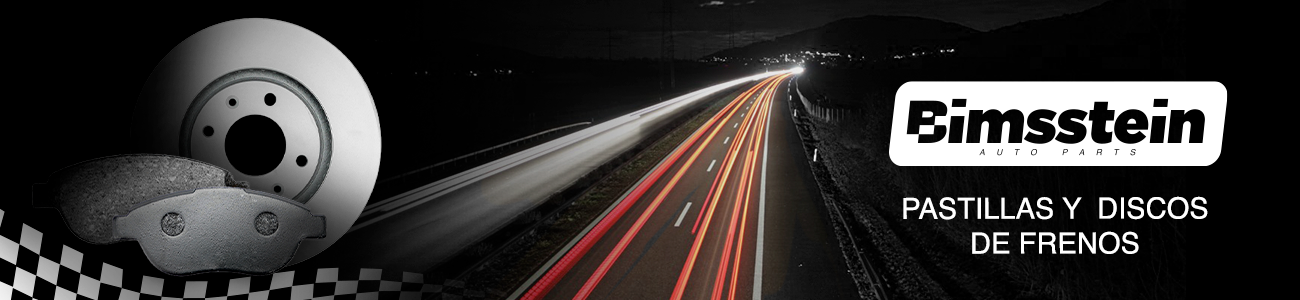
{"x": 1058, "y": 123}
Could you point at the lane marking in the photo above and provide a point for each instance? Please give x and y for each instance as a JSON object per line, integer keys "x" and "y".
{"x": 722, "y": 173}
{"x": 683, "y": 215}
{"x": 419, "y": 196}
{"x": 613, "y": 255}
{"x": 764, "y": 114}
{"x": 710, "y": 169}
{"x": 733, "y": 153}
{"x": 764, "y": 106}
{"x": 709, "y": 196}
{"x": 644, "y": 250}
{"x": 546, "y": 277}
{"x": 734, "y": 125}
{"x": 724, "y": 142}
{"x": 762, "y": 213}
{"x": 746, "y": 169}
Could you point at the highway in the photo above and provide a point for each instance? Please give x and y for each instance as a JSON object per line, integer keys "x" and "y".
{"x": 422, "y": 228}
{"x": 732, "y": 213}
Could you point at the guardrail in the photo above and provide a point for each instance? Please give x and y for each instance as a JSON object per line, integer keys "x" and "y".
{"x": 475, "y": 153}
{"x": 869, "y": 276}
{"x": 825, "y": 114}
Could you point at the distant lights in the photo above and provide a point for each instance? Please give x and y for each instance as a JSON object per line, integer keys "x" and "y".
{"x": 797, "y": 70}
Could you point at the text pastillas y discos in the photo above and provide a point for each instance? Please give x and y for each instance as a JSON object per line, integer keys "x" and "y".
{"x": 1042, "y": 208}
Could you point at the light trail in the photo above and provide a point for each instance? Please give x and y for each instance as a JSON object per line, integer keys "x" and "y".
{"x": 739, "y": 157}
{"x": 570, "y": 258}
{"x": 699, "y": 238}
{"x": 746, "y": 187}
{"x": 759, "y": 140}
{"x": 731, "y": 228}
{"x": 612, "y": 257}
{"x": 732, "y": 155}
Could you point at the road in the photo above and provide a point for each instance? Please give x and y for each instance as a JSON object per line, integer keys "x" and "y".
{"x": 733, "y": 212}
{"x": 424, "y": 227}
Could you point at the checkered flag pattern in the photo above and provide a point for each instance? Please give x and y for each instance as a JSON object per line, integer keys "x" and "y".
{"x": 36, "y": 267}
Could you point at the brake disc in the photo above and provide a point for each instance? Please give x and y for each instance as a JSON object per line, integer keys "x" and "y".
{"x": 278, "y": 106}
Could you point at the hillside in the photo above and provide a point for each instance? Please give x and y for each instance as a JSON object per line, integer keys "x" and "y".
{"x": 1117, "y": 34}
{"x": 868, "y": 36}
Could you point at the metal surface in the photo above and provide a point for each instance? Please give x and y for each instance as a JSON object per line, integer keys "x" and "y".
{"x": 219, "y": 229}
{"x": 308, "y": 67}
{"x": 291, "y": 106}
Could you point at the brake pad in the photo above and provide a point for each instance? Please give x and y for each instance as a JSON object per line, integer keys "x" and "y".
{"x": 89, "y": 194}
{"x": 219, "y": 229}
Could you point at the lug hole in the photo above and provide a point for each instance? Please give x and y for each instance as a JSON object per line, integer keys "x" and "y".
{"x": 302, "y": 160}
{"x": 270, "y": 99}
{"x": 208, "y": 131}
{"x": 277, "y": 189}
{"x": 232, "y": 102}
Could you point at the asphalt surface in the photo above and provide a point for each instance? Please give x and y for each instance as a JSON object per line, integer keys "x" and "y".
{"x": 422, "y": 228}
{"x": 694, "y": 227}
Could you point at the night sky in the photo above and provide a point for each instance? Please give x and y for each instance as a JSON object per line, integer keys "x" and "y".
{"x": 631, "y": 29}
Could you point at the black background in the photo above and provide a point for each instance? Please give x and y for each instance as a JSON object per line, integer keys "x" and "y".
{"x": 75, "y": 72}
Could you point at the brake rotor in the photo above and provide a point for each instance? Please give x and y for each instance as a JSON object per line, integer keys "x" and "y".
{"x": 278, "y": 106}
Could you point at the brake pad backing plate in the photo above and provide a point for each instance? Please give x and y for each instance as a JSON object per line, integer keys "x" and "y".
{"x": 219, "y": 229}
